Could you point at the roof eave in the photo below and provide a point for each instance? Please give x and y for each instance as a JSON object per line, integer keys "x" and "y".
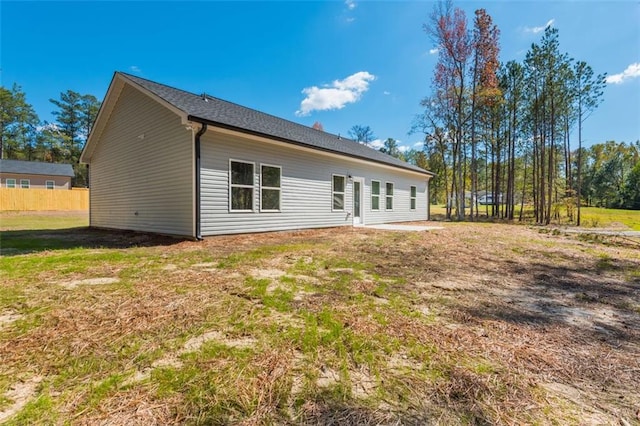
{"x": 294, "y": 142}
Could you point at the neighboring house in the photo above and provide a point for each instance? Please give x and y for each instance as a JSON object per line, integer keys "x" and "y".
{"x": 35, "y": 175}
{"x": 167, "y": 161}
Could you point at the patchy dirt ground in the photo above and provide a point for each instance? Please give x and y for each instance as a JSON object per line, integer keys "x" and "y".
{"x": 470, "y": 324}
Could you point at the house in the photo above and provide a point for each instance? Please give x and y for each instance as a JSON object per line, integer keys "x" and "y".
{"x": 168, "y": 161}
{"x": 35, "y": 175}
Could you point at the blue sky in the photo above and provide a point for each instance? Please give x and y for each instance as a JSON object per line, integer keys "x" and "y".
{"x": 337, "y": 62}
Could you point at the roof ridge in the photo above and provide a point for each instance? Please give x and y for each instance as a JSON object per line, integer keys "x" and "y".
{"x": 32, "y": 161}
{"x": 338, "y": 136}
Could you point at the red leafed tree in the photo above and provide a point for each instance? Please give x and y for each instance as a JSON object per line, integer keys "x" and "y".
{"x": 318, "y": 126}
{"x": 448, "y": 30}
{"x": 485, "y": 91}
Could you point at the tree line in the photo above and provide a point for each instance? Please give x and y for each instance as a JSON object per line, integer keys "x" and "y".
{"x": 507, "y": 130}
{"x": 23, "y": 136}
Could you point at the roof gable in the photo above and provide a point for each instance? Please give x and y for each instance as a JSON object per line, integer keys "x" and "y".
{"x": 218, "y": 112}
{"x": 36, "y": 168}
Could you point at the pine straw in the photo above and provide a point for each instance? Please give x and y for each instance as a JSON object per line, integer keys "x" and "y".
{"x": 481, "y": 354}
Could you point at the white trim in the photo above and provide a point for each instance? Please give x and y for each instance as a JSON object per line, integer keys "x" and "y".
{"x": 14, "y": 185}
{"x": 344, "y": 192}
{"x": 22, "y": 181}
{"x": 386, "y": 195}
{"x": 279, "y": 189}
{"x": 156, "y": 98}
{"x": 108, "y": 104}
{"x": 252, "y": 187}
{"x": 53, "y": 184}
{"x": 375, "y": 195}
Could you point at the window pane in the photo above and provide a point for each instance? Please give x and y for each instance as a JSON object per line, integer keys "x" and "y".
{"x": 338, "y": 201}
{"x": 271, "y": 176}
{"x": 338, "y": 183}
{"x": 375, "y": 203}
{"x": 375, "y": 188}
{"x": 413, "y": 204}
{"x": 50, "y": 184}
{"x": 241, "y": 198}
{"x": 389, "y": 203}
{"x": 24, "y": 183}
{"x": 413, "y": 191}
{"x": 389, "y": 188}
{"x": 11, "y": 183}
{"x": 270, "y": 199}
{"x": 241, "y": 173}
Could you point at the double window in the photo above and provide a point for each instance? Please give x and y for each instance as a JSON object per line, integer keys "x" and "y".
{"x": 337, "y": 191}
{"x": 11, "y": 183}
{"x": 242, "y": 186}
{"x": 25, "y": 183}
{"x": 414, "y": 192}
{"x": 389, "y": 196}
{"x": 375, "y": 195}
{"x": 49, "y": 184}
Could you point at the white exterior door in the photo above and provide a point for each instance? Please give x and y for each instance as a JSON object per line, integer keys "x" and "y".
{"x": 358, "y": 190}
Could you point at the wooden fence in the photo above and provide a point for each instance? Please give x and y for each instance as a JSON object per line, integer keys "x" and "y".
{"x": 18, "y": 199}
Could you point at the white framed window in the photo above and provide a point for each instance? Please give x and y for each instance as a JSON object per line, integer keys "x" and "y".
{"x": 389, "y": 196}
{"x": 375, "y": 195}
{"x": 25, "y": 183}
{"x": 414, "y": 193}
{"x": 11, "y": 183}
{"x": 270, "y": 184}
{"x": 49, "y": 184}
{"x": 337, "y": 191}
{"x": 241, "y": 186}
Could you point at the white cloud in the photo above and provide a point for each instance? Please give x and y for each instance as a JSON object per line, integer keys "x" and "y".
{"x": 335, "y": 95}
{"x": 135, "y": 68}
{"x": 351, "y": 4}
{"x": 418, "y": 145}
{"x": 349, "y": 20}
{"x": 632, "y": 71}
{"x": 433, "y": 51}
{"x": 386, "y": 92}
{"x": 376, "y": 144}
{"x": 536, "y": 30}
{"x": 403, "y": 148}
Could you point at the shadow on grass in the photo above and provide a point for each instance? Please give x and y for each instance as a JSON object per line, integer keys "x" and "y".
{"x": 596, "y": 300}
{"x": 351, "y": 412}
{"x": 29, "y": 241}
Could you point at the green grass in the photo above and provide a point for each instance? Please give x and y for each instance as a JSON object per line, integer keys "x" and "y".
{"x": 603, "y": 218}
{"x": 589, "y": 216}
{"x": 284, "y": 348}
{"x": 45, "y": 220}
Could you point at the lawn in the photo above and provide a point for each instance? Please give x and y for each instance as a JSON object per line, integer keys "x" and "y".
{"x": 591, "y": 217}
{"x": 601, "y": 217}
{"x": 471, "y": 324}
{"x": 42, "y": 220}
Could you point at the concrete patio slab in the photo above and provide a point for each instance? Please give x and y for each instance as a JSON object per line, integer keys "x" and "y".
{"x": 395, "y": 227}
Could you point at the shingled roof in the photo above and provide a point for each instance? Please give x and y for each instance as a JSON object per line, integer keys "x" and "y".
{"x": 218, "y": 112}
{"x": 35, "y": 168}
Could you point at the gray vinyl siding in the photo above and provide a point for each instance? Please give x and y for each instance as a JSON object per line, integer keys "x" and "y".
{"x": 141, "y": 173}
{"x": 306, "y": 190}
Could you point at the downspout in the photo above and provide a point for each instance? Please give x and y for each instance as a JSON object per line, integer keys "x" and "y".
{"x": 89, "y": 192}
{"x": 197, "y": 183}
{"x": 428, "y": 200}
